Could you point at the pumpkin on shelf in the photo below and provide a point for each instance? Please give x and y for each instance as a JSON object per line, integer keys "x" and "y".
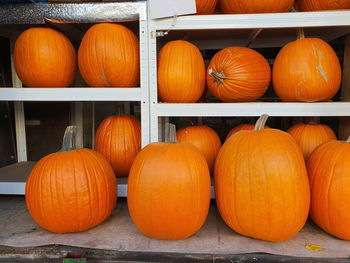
{"x": 306, "y": 70}
{"x": 71, "y": 190}
{"x": 44, "y": 57}
{"x": 205, "y": 7}
{"x": 328, "y": 169}
{"x": 255, "y": 6}
{"x": 169, "y": 189}
{"x": 261, "y": 184}
{"x": 310, "y": 136}
{"x": 319, "y": 5}
{"x": 204, "y": 138}
{"x": 109, "y": 56}
{"x": 242, "y": 127}
{"x": 118, "y": 139}
{"x": 238, "y": 74}
{"x": 181, "y": 72}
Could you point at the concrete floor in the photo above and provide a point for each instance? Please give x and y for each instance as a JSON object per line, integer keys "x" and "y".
{"x": 118, "y": 233}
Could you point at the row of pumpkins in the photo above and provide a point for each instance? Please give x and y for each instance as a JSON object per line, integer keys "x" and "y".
{"x": 262, "y": 185}
{"x": 205, "y": 7}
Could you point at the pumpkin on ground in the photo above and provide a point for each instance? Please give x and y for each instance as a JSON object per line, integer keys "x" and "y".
{"x": 109, "y": 56}
{"x": 169, "y": 190}
{"x": 242, "y": 127}
{"x": 71, "y": 190}
{"x": 238, "y": 74}
{"x": 261, "y": 184}
{"x": 255, "y": 6}
{"x": 204, "y": 138}
{"x": 118, "y": 139}
{"x": 310, "y": 136}
{"x": 205, "y": 7}
{"x": 318, "y": 5}
{"x": 44, "y": 57}
{"x": 329, "y": 169}
{"x": 181, "y": 72}
{"x": 306, "y": 70}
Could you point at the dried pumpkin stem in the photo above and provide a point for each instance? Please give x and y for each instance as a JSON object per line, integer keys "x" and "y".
{"x": 218, "y": 77}
{"x": 69, "y": 139}
{"x": 300, "y": 33}
{"x": 260, "y": 124}
{"x": 121, "y": 110}
{"x": 170, "y": 135}
{"x": 348, "y": 140}
{"x": 313, "y": 120}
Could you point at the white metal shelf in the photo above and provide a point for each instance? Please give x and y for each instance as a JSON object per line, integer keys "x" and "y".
{"x": 70, "y": 94}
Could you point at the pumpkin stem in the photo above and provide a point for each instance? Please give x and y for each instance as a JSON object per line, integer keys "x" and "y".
{"x": 170, "y": 136}
{"x": 300, "y": 33}
{"x": 219, "y": 77}
{"x": 69, "y": 139}
{"x": 120, "y": 110}
{"x": 260, "y": 124}
{"x": 313, "y": 120}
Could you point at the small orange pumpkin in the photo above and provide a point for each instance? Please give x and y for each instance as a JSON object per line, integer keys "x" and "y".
{"x": 44, "y": 57}
{"x": 255, "y": 6}
{"x": 242, "y": 127}
{"x": 181, "y": 72}
{"x": 204, "y": 138}
{"x": 318, "y": 5}
{"x": 205, "y": 7}
{"x": 238, "y": 74}
{"x": 109, "y": 56}
{"x": 71, "y": 190}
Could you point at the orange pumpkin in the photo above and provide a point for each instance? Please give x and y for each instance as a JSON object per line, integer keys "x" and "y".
{"x": 255, "y": 6}
{"x": 205, "y": 7}
{"x": 169, "y": 190}
{"x": 242, "y": 127}
{"x": 261, "y": 184}
{"x": 109, "y": 56}
{"x": 310, "y": 136}
{"x": 71, "y": 190}
{"x": 238, "y": 74}
{"x": 204, "y": 138}
{"x": 44, "y": 57}
{"x": 306, "y": 70}
{"x": 318, "y": 5}
{"x": 181, "y": 72}
{"x": 329, "y": 169}
{"x": 118, "y": 138}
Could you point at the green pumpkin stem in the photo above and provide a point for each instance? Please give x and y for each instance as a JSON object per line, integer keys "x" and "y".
{"x": 260, "y": 124}
{"x": 69, "y": 139}
{"x": 121, "y": 110}
{"x": 170, "y": 135}
{"x": 300, "y": 33}
{"x": 218, "y": 77}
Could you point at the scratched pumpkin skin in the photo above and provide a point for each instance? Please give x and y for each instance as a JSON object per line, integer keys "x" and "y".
{"x": 306, "y": 70}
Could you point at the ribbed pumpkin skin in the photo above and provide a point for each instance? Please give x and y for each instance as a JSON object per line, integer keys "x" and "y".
{"x": 205, "y": 7}
{"x": 109, "y": 56}
{"x": 181, "y": 72}
{"x": 306, "y": 70}
{"x": 329, "y": 169}
{"x": 261, "y": 185}
{"x": 318, "y": 5}
{"x": 71, "y": 191}
{"x": 247, "y": 72}
{"x": 310, "y": 136}
{"x": 118, "y": 139}
{"x": 241, "y": 127}
{"x": 169, "y": 190}
{"x": 44, "y": 57}
{"x": 204, "y": 138}
{"x": 255, "y": 6}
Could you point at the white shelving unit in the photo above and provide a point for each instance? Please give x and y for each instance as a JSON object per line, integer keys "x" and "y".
{"x": 253, "y": 30}
{"x": 13, "y": 177}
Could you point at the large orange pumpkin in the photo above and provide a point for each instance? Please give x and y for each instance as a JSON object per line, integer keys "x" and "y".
{"x": 109, "y": 56}
{"x": 242, "y": 127}
{"x": 71, "y": 190}
{"x": 238, "y": 74}
{"x": 118, "y": 138}
{"x": 169, "y": 190}
{"x": 306, "y": 70}
{"x": 310, "y": 136}
{"x": 181, "y": 72}
{"x": 205, "y": 7}
{"x": 261, "y": 184}
{"x": 44, "y": 57}
{"x": 204, "y": 138}
{"x": 255, "y": 6}
{"x": 329, "y": 169}
{"x": 317, "y": 5}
